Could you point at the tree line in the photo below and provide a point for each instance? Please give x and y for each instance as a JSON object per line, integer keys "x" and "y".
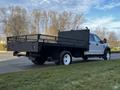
{"x": 111, "y": 36}
{"x": 17, "y": 20}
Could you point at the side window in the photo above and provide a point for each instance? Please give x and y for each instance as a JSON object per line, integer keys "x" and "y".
{"x": 97, "y": 39}
{"x": 92, "y": 39}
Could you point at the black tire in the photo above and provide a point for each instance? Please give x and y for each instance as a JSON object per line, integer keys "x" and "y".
{"x": 107, "y": 55}
{"x": 65, "y": 57}
{"x": 15, "y": 53}
{"x": 85, "y": 58}
{"x": 38, "y": 61}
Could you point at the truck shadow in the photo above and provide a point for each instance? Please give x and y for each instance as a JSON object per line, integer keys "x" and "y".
{"x": 52, "y": 64}
{"x": 22, "y": 64}
{"x": 82, "y": 61}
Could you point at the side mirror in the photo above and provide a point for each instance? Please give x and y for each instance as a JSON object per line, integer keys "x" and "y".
{"x": 101, "y": 41}
{"x": 104, "y": 40}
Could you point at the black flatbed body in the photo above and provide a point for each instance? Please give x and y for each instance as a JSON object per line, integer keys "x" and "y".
{"x": 74, "y": 39}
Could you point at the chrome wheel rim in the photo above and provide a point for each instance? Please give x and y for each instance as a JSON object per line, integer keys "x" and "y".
{"x": 66, "y": 59}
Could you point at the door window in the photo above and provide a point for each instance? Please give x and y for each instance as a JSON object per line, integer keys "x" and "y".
{"x": 97, "y": 39}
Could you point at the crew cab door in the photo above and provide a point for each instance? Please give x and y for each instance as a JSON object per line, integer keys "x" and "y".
{"x": 95, "y": 45}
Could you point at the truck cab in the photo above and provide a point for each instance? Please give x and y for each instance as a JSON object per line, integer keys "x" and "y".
{"x": 97, "y": 48}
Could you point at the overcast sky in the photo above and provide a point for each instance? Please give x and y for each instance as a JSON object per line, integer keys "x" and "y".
{"x": 104, "y": 13}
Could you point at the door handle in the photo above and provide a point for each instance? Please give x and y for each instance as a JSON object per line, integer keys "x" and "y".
{"x": 97, "y": 44}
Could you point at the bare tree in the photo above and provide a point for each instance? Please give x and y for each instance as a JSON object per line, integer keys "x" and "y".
{"x": 2, "y": 15}
{"x": 102, "y": 32}
{"x": 51, "y": 22}
{"x": 64, "y": 21}
{"x": 77, "y": 21}
{"x": 17, "y": 22}
{"x": 68, "y": 20}
{"x": 110, "y": 35}
{"x": 113, "y": 40}
{"x": 37, "y": 15}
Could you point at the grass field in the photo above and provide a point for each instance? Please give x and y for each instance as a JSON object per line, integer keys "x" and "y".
{"x": 97, "y": 75}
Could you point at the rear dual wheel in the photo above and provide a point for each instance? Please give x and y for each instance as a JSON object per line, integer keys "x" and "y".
{"x": 65, "y": 58}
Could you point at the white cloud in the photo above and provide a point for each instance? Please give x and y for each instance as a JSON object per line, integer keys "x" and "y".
{"x": 108, "y": 22}
{"x": 84, "y": 6}
{"x": 109, "y": 5}
{"x": 99, "y": 22}
{"x": 115, "y": 25}
{"x": 38, "y": 2}
{"x": 77, "y": 6}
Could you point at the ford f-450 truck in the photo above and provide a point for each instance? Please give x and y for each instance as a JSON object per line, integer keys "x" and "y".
{"x": 60, "y": 49}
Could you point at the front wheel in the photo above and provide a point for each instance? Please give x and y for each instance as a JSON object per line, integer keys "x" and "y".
{"x": 107, "y": 55}
{"x": 66, "y": 57}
